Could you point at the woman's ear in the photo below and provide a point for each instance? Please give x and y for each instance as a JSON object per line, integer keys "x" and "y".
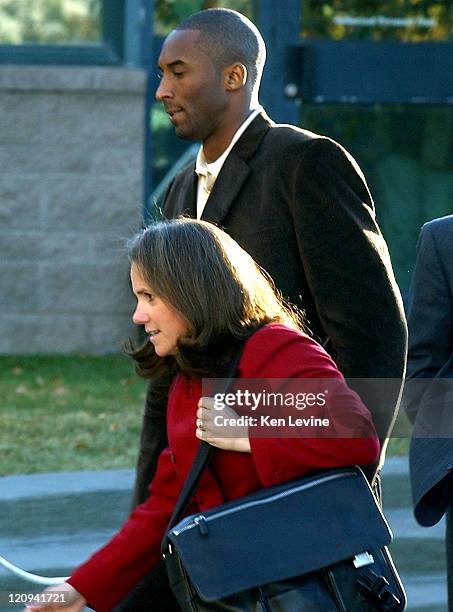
{"x": 235, "y": 77}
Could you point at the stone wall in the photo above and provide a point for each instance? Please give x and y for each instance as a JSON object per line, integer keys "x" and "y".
{"x": 71, "y": 173}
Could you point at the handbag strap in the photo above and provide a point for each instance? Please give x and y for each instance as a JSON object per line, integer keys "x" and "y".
{"x": 204, "y": 454}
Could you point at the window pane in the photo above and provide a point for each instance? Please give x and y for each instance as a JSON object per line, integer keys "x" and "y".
{"x": 404, "y": 20}
{"x": 50, "y": 22}
{"x": 168, "y": 13}
{"x": 406, "y": 153}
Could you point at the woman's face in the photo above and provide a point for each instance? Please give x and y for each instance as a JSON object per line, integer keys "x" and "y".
{"x": 163, "y": 324}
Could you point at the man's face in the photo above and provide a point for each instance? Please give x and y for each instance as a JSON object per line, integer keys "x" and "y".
{"x": 191, "y": 87}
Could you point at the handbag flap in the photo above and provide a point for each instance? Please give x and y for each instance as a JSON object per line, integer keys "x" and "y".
{"x": 280, "y": 532}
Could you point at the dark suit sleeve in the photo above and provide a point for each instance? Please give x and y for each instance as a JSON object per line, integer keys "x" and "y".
{"x": 347, "y": 264}
{"x": 349, "y": 273}
{"x": 430, "y": 317}
{"x": 428, "y": 402}
{"x": 153, "y": 437}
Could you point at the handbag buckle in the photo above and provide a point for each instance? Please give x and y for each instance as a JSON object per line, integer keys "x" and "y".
{"x": 377, "y": 589}
{"x": 201, "y": 523}
{"x": 363, "y": 559}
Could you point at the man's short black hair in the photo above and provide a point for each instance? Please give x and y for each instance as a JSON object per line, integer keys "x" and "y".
{"x": 228, "y": 37}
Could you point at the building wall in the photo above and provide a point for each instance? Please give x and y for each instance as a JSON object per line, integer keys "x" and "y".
{"x": 71, "y": 168}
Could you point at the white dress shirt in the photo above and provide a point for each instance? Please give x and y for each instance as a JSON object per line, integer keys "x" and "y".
{"x": 208, "y": 172}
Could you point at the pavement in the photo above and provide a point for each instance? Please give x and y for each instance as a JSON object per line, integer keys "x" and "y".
{"x": 49, "y": 523}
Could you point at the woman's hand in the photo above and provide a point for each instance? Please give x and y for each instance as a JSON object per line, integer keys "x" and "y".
{"x": 62, "y": 597}
{"x": 221, "y": 426}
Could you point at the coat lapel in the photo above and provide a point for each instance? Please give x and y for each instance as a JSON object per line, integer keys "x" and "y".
{"x": 235, "y": 170}
{"x": 227, "y": 186}
{"x": 184, "y": 202}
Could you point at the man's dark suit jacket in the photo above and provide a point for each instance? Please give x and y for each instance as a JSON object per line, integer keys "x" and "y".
{"x": 429, "y": 396}
{"x": 299, "y": 204}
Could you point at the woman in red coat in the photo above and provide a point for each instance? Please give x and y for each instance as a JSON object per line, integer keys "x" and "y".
{"x": 199, "y": 297}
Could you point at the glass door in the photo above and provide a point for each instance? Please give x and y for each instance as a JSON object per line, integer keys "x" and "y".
{"x": 402, "y": 139}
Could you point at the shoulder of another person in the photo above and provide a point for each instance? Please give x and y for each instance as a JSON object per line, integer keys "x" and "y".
{"x": 439, "y": 228}
{"x": 436, "y": 239}
{"x": 304, "y": 142}
{"x": 287, "y": 133}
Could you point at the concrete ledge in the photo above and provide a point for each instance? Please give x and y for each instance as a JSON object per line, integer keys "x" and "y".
{"x": 64, "y": 483}
{"x": 71, "y": 78}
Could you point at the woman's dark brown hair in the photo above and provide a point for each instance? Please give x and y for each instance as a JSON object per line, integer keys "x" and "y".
{"x": 214, "y": 284}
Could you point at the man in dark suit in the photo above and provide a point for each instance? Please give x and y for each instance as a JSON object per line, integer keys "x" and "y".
{"x": 296, "y": 201}
{"x": 429, "y": 392}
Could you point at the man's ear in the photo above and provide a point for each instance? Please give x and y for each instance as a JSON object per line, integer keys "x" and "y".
{"x": 235, "y": 77}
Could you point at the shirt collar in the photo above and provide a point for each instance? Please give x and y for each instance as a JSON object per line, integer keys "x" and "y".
{"x": 202, "y": 167}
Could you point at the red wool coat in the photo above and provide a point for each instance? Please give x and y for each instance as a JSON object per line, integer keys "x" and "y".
{"x": 275, "y": 351}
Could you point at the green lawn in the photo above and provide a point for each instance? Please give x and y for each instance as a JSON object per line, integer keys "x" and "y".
{"x": 61, "y": 413}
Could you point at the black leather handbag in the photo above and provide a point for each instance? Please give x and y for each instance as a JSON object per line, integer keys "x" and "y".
{"x": 318, "y": 543}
